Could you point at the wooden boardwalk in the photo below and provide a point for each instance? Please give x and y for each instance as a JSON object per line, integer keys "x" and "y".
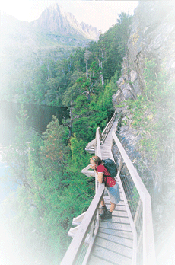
{"x": 120, "y": 240}
{"x": 114, "y": 241}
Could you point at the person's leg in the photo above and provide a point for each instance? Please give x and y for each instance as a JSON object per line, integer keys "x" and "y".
{"x": 113, "y": 205}
{"x": 103, "y": 208}
{"x": 102, "y": 202}
{"x": 108, "y": 214}
{"x": 113, "y": 200}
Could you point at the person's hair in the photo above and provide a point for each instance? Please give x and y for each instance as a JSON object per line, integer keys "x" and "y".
{"x": 97, "y": 160}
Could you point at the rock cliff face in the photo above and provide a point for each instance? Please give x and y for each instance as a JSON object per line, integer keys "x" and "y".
{"x": 152, "y": 36}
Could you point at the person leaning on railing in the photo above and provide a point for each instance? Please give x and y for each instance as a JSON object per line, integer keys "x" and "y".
{"x": 103, "y": 176}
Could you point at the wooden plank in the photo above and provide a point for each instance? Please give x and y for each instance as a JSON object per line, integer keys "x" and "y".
{"x": 105, "y": 150}
{"x": 121, "y": 203}
{"x": 117, "y": 239}
{"x": 120, "y": 213}
{"x": 113, "y": 246}
{"x": 117, "y": 219}
{"x": 120, "y": 207}
{"x": 108, "y": 137}
{"x": 98, "y": 261}
{"x": 115, "y": 226}
{"x": 107, "y": 200}
{"x": 107, "y": 146}
{"x": 119, "y": 233}
{"x": 111, "y": 256}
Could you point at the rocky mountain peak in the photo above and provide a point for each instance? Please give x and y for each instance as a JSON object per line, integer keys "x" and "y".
{"x": 51, "y": 19}
{"x": 54, "y": 20}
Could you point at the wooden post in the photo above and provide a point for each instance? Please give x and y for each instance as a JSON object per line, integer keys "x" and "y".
{"x": 98, "y": 153}
{"x": 98, "y": 142}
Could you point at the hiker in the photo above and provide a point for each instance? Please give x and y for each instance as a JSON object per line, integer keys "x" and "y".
{"x": 103, "y": 176}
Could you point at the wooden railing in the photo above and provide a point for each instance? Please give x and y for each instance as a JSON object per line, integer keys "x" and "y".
{"x": 80, "y": 248}
{"x": 90, "y": 148}
{"x": 108, "y": 127}
{"x": 83, "y": 240}
{"x": 145, "y": 251}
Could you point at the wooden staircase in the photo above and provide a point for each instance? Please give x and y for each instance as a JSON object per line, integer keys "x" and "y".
{"x": 114, "y": 241}
{"x": 126, "y": 239}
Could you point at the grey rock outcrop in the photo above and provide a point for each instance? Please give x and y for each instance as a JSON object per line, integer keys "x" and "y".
{"x": 152, "y": 36}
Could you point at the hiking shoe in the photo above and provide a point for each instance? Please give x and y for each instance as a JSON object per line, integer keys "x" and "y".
{"x": 103, "y": 211}
{"x": 107, "y": 215}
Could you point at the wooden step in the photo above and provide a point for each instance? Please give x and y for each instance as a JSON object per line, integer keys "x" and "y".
{"x": 119, "y": 208}
{"x": 113, "y": 246}
{"x": 116, "y": 239}
{"x": 107, "y": 200}
{"x": 121, "y": 203}
{"x": 120, "y": 213}
{"x": 119, "y": 233}
{"x": 98, "y": 261}
{"x": 111, "y": 256}
{"x": 115, "y": 226}
{"x": 117, "y": 219}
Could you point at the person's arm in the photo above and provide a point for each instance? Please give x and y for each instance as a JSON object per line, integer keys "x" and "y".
{"x": 88, "y": 173}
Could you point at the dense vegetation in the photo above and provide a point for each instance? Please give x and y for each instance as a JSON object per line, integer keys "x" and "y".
{"x": 153, "y": 118}
{"x": 51, "y": 190}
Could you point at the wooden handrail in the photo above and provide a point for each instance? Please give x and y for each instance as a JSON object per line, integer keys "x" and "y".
{"x": 148, "y": 232}
{"x": 77, "y": 241}
{"x": 108, "y": 127}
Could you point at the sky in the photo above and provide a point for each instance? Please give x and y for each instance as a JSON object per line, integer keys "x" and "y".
{"x": 100, "y": 14}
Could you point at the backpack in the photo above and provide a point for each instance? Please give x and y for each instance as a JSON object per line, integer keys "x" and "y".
{"x": 111, "y": 167}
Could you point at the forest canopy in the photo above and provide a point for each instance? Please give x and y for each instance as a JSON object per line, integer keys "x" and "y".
{"x": 47, "y": 169}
